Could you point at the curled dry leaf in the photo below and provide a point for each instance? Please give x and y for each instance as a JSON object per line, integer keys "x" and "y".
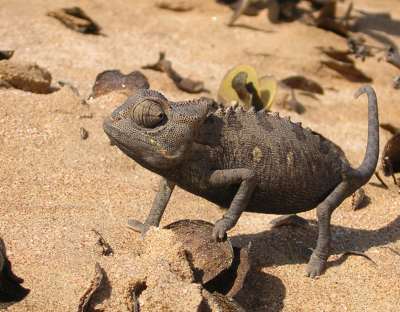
{"x": 175, "y": 5}
{"x": 84, "y": 133}
{"x": 84, "y": 301}
{"x": 10, "y": 288}
{"x": 359, "y": 199}
{"x": 391, "y": 156}
{"x": 106, "y": 249}
{"x": 76, "y": 19}
{"x": 132, "y": 293}
{"x": 6, "y": 54}
{"x": 230, "y": 281}
{"x": 241, "y": 84}
{"x": 207, "y": 257}
{"x": 389, "y": 127}
{"x": 184, "y": 84}
{"x": 113, "y": 80}
{"x": 303, "y": 83}
{"x": 25, "y": 76}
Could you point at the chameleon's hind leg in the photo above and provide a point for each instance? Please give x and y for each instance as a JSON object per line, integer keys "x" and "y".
{"x": 157, "y": 210}
{"x": 352, "y": 180}
{"x": 288, "y": 220}
{"x": 317, "y": 262}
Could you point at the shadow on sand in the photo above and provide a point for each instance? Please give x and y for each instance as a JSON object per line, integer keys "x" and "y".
{"x": 293, "y": 245}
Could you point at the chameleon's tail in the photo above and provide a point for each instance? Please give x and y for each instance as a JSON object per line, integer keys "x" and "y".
{"x": 364, "y": 172}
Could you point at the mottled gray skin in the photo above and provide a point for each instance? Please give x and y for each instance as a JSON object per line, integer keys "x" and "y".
{"x": 243, "y": 161}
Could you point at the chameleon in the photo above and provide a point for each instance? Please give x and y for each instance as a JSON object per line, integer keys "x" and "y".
{"x": 241, "y": 160}
{"x": 10, "y": 288}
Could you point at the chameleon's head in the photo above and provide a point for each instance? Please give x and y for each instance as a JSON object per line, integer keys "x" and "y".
{"x": 153, "y": 131}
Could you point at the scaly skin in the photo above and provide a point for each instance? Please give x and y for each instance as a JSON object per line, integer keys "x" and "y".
{"x": 254, "y": 161}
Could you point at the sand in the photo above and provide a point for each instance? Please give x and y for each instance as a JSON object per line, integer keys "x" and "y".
{"x": 55, "y": 187}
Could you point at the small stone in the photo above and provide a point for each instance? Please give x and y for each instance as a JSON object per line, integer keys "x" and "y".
{"x": 84, "y": 133}
{"x": 25, "y": 76}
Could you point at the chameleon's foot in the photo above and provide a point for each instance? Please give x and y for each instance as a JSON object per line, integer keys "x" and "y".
{"x": 219, "y": 231}
{"x": 315, "y": 267}
{"x": 288, "y": 220}
{"x": 138, "y": 226}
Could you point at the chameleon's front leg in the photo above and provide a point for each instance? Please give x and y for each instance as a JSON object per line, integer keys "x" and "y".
{"x": 157, "y": 210}
{"x": 247, "y": 180}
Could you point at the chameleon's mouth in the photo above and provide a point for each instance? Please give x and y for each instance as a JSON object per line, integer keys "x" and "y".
{"x": 113, "y": 133}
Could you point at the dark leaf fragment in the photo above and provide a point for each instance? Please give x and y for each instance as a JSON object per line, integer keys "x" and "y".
{"x": 106, "y": 248}
{"x": 84, "y": 133}
{"x": 359, "y": 199}
{"x": 303, "y": 83}
{"x": 184, "y": 84}
{"x": 389, "y": 127}
{"x": 207, "y": 257}
{"x": 76, "y": 19}
{"x": 6, "y": 54}
{"x": 391, "y": 156}
{"x": 10, "y": 288}
{"x": 113, "y": 80}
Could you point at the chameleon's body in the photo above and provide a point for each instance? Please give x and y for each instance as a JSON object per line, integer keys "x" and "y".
{"x": 240, "y": 160}
{"x": 294, "y": 168}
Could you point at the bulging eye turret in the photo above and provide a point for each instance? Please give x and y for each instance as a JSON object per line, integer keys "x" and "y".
{"x": 148, "y": 114}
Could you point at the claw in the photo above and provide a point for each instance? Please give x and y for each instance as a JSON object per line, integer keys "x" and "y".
{"x": 315, "y": 267}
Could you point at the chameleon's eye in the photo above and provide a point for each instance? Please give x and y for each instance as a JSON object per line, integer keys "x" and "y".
{"x": 147, "y": 114}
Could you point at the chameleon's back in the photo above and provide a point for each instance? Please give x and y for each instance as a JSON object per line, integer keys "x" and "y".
{"x": 295, "y": 167}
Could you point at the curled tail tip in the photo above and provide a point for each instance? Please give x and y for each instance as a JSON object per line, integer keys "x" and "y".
{"x": 364, "y": 89}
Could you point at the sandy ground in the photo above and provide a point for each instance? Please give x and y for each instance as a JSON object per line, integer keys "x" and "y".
{"x": 54, "y": 187}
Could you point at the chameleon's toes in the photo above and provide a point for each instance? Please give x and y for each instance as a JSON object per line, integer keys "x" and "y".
{"x": 138, "y": 226}
{"x": 219, "y": 232}
{"x": 315, "y": 267}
